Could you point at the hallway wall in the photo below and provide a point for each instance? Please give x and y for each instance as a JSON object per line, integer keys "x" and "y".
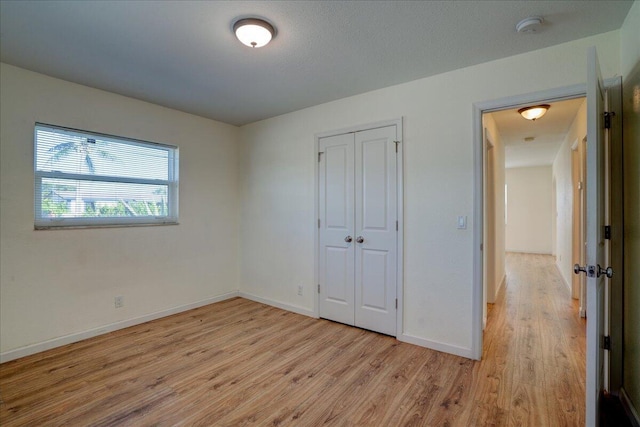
{"x": 529, "y": 196}
{"x": 562, "y": 171}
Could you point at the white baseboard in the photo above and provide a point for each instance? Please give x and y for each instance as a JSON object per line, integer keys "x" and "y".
{"x": 523, "y": 251}
{"x": 435, "y": 345}
{"x": 567, "y": 284}
{"x": 502, "y": 283}
{"x": 284, "y": 306}
{"x": 71, "y": 338}
{"x": 628, "y": 406}
{"x": 79, "y": 336}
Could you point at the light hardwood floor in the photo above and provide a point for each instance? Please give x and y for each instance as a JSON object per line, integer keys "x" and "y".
{"x": 242, "y": 363}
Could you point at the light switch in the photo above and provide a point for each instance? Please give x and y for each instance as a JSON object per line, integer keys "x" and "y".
{"x": 462, "y": 222}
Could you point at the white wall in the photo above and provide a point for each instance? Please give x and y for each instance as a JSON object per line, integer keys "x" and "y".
{"x": 277, "y": 230}
{"x": 564, "y": 195}
{"x": 630, "y": 40}
{"x": 62, "y": 282}
{"x": 529, "y": 206}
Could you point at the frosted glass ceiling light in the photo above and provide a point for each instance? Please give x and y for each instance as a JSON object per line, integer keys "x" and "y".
{"x": 253, "y": 32}
{"x": 534, "y": 112}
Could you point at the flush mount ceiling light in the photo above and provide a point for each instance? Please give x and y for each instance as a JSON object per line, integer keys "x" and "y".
{"x": 529, "y": 25}
{"x": 534, "y": 112}
{"x": 253, "y": 32}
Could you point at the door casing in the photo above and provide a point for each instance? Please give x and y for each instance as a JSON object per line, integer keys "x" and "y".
{"x": 615, "y": 302}
{"x": 400, "y": 212}
{"x": 518, "y": 101}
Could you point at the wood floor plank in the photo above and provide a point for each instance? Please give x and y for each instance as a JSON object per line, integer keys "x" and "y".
{"x": 484, "y": 414}
{"x": 386, "y": 397}
{"x": 494, "y": 381}
{"x": 239, "y": 362}
{"x": 529, "y": 370}
{"x": 529, "y": 406}
{"x": 563, "y": 384}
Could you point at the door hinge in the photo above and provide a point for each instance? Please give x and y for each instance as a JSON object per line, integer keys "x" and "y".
{"x": 318, "y": 287}
{"x": 320, "y": 153}
{"x": 397, "y": 143}
{"x": 318, "y": 222}
{"x": 607, "y": 119}
{"x": 396, "y": 303}
{"x": 607, "y": 232}
{"x": 606, "y": 342}
{"x": 396, "y": 225}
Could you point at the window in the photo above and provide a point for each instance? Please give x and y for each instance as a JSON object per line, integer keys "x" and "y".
{"x": 89, "y": 179}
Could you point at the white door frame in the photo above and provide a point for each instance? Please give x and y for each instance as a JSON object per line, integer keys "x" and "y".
{"x": 489, "y": 225}
{"x": 517, "y": 101}
{"x": 400, "y": 213}
{"x": 511, "y": 102}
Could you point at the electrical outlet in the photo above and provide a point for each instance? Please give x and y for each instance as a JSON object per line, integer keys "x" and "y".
{"x": 119, "y": 301}
{"x": 300, "y": 290}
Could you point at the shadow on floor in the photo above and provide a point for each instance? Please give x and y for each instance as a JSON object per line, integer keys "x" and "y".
{"x": 612, "y": 413}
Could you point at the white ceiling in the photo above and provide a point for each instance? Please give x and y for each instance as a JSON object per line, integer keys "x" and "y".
{"x": 183, "y": 54}
{"x": 549, "y": 132}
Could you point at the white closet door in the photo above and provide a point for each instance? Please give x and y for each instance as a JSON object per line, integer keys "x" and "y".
{"x": 336, "y": 205}
{"x": 358, "y": 237}
{"x": 375, "y": 228}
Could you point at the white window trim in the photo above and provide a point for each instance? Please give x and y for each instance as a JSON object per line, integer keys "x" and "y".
{"x": 42, "y": 223}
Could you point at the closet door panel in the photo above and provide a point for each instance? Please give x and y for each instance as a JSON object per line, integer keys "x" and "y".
{"x": 336, "y": 214}
{"x": 375, "y": 229}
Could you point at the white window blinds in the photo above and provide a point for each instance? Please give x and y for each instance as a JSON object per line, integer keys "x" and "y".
{"x": 89, "y": 179}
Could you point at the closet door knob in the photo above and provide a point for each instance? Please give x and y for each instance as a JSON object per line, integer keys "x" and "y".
{"x": 359, "y": 239}
{"x": 348, "y": 239}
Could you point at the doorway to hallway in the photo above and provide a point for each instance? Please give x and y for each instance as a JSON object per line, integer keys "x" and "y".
{"x": 603, "y": 188}
{"x": 528, "y": 254}
{"x": 533, "y": 178}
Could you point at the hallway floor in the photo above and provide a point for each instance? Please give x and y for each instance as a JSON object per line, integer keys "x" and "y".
{"x": 534, "y": 347}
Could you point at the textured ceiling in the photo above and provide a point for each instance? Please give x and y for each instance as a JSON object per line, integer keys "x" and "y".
{"x": 549, "y": 132}
{"x": 183, "y": 54}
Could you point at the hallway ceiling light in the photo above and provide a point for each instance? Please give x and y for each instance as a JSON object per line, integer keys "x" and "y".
{"x": 253, "y": 32}
{"x": 534, "y": 112}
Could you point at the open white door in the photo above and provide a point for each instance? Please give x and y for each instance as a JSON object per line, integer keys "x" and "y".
{"x": 595, "y": 243}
